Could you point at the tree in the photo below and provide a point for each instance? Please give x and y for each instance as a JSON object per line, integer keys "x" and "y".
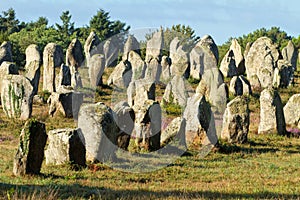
{"x": 104, "y": 27}
{"x": 66, "y": 29}
{"x": 8, "y": 22}
{"x": 41, "y": 21}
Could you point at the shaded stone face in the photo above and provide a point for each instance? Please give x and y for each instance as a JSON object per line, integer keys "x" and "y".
{"x": 74, "y": 54}
{"x": 17, "y": 96}
{"x": 271, "y": 113}
{"x": 139, "y": 91}
{"x": 131, "y": 45}
{"x": 239, "y": 86}
{"x": 174, "y": 133}
{"x": 96, "y": 69}
{"x": 5, "y": 52}
{"x": 154, "y": 47}
{"x": 92, "y": 46}
{"x": 179, "y": 59}
{"x": 137, "y": 64}
{"x": 98, "y": 132}
{"x": 290, "y": 54}
{"x": 121, "y": 76}
{"x": 236, "y": 121}
{"x": 65, "y": 147}
{"x": 30, "y": 153}
{"x": 292, "y": 111}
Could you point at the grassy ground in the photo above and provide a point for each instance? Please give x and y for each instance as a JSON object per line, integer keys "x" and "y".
{"x": 265, "y": 167}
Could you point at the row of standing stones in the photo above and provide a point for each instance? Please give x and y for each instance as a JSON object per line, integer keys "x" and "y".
{"x": 101, "y": 130}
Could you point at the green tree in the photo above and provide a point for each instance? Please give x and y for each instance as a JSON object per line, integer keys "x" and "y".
{"x": 41, "y": 21}
{"x": 8, "y": 22}
{"x": 104, "y": 27}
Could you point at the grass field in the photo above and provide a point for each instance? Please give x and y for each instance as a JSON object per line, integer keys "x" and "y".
{"x": 267, "y": 167}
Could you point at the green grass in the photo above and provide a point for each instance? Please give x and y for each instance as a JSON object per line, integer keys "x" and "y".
{"x": 266, "y": 167}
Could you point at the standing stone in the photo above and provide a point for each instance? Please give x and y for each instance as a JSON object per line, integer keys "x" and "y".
{"x": 30, "y": 154}
{"x": 176, "y": 91}
{"x": 153, "y": 71}
{"x": 64, "y": 77}
{"x": 32, "y": 67}
{"x": 99, "y": 132}
{"x": 96, "y": 69}
{"x": 247, "y": 49}
{"x": 65, "y": 101}
{"x": 111, "y": 49}
{"x": 5, "y": 52}
{"x": 52, "y": 58}
{"x": 179, "y": 59}
{"x": 139, "y": 91}
{"x": 166, "y": 69}
{"x": 124, "y": 119}
{"x": 7, "y": 68}
{"x": 233, "y": 62}
{"x": 121, "y": 76}
{"x": 236, "y": 121}
{"x": 17, "y": 97}
{"x": 239, "y": 86}
{"x": 283, "y": 74}
{"x": 74, "y": 54}
{"x": 200, "y": 128}
{"x": 271, "y": 113}
{"x": 137, "y": 64}
{"x": 154, "y": 47}
{"x": 148, "y": 125}
{"x": 65, "y": 147}
{"x": 261, "y": 62}
{"x": 174, "y": 133}
{"x": 76, "y": 81}
{"x": 131, "y": 45}
{"x": 204, "y": 56}
{"x": 92, "y": 46}
{"x": 292, "y": 111}
{"x": 212, "y": 86}
{"x": 290, "y": 54}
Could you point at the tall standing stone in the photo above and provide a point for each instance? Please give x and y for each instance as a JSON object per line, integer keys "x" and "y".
{"x": 32, "y": 67}
{"x": 236, "y": 121}
{"x": 148, "y": 125}
{"x": 30, "y": 153}
{"x": 155, "y": 46}
{"x": 139, "y": 91}
{"x": 131, "y": 45}
{"x": 179, "y": 59}
{"x": 174, "y": 133}
{"x": 204, "y": 56}
{"x": 5, "y": 52}
{"x": 99, "y": 132}
{"x": 17, "y": 97}
{"x": 74, "y": 54}
{"x": 96, "y": 69}
{"x": 261, "y": 62}
{"x": 7, "y": 68}
{"x": 290, "y": 54}
{"x": 92, "y": 46}
{"x": 111, "y": 48}
{"x": 153, "y": 71}
{"x": 271, "y": 113}
{"x": 166, "y": 69}
{"x": 63, "y": 78}
{"x": 137, "y": 64}
{"x": 52, "y": 57}
{"x": 239, "y": 86}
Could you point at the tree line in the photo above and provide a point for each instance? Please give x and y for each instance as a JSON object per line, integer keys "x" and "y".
{"x": 39, "y": 32}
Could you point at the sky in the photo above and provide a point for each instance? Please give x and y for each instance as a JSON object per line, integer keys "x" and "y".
{"x": 221, "y": 19}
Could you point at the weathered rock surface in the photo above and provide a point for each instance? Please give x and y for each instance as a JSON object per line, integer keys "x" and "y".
{"x": 153, "y": 71}
{"x": 99, "y": 132}
{"x": 283, "y": 74}
{"x": 92, "y": 46}
{"x": 121, "y": 76}
{"x": 239, "y": 86}
{"x": 131, "y": 45}
{"x": 65, "y": 101}
{"x": 17, "y": 96}
{"x": 236, "y": 121}
{"x": 5, "y": 52}
{"x": 96, "y": 69}
{"x": 7, "y": 68}
{"x": 176, "y": 91}
{"x": 124, "y": 118}
{"x": 200, "y": 127}
{"x": 261, "y": 62}
{"x": 30, "y": 153}
{"x": 166, "y": 69}
{"x": 65, "y": 147}
{"x": 32, "y": 67}
{"x": 290, "y": 54}
{"x": 74, "y": 54}
{"x": 32, "y": 54}
{"x": 52, "y": 57}
{"x": 137, "y": 64}
{"x": 139, "y": 91}
{"x": 271, "y": 113}
{"x": 147, "y": 125}
{"x": 154, "y": 47}
{"x": 179, "y": 59}
{"x": 63, "y": 78}
{"x": 111, "y": 48}
{"x": 174, "y": 133}
{"x": 292, "y": 111}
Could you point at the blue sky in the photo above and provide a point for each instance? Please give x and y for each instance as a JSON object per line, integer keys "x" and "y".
{"x": 219, "y": 18}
